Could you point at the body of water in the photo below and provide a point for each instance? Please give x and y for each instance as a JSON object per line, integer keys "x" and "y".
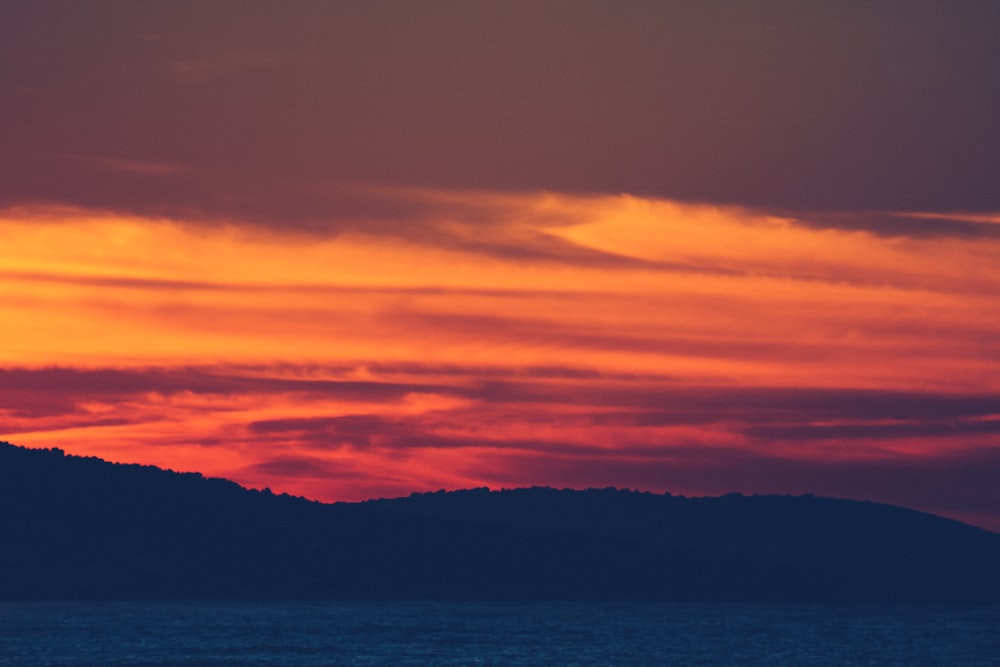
{"x": 440, "y": 633}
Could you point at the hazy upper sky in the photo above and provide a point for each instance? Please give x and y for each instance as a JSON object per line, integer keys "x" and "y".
{"x": 242, "y": 108}
{"x": 349, "y": 249}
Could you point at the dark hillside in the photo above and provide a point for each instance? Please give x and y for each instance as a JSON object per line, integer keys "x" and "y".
{"x": 871, "y": 550}
{"x": 82, "y": 528}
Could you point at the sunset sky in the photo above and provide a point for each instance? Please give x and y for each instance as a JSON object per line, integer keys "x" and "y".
{"x": 358, "y": 249}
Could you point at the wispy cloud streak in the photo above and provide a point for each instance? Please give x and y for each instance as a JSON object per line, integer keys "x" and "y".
{"x": 476, "y": 338}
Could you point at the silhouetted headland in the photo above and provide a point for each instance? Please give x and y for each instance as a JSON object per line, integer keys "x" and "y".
{"x": 82, "y": 528}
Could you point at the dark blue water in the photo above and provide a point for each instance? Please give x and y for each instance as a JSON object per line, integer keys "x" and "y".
{"x": 217, "y": 634}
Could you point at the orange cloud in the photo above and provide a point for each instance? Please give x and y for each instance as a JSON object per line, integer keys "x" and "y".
{"x": 555, "y": 335}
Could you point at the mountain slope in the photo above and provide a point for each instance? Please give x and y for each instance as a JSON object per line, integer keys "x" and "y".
{"x": 82, "y": 528}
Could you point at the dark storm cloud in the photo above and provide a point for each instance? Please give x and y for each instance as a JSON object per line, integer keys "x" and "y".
{"x": 953, "y": 481}
{"x": 538, "y": 372}
{"x": 900, "y": 224}
{"x": 68, "y": 424}
{"x": 39, "y": 392}
{"x": 362, "y": 431}
{"x": 921, "y": 429}
{"x": 299, "y": 466}
{"x": 636, "y": 404}
{"x": 247, "y": 110}
{"x": 666, "y": 405}
{"x": 351, "y": 430}
{"x": 548, "y": 249}
{"x": 768, "y": 415}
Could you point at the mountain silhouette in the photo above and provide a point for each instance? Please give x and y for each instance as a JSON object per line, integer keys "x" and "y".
{"x": 82, "y": 528}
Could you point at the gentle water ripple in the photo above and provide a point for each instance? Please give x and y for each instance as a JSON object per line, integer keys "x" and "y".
{"x": 197, "y": 634}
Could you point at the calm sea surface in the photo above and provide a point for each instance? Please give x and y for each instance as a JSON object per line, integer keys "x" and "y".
{"x": 210, "y": 634}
